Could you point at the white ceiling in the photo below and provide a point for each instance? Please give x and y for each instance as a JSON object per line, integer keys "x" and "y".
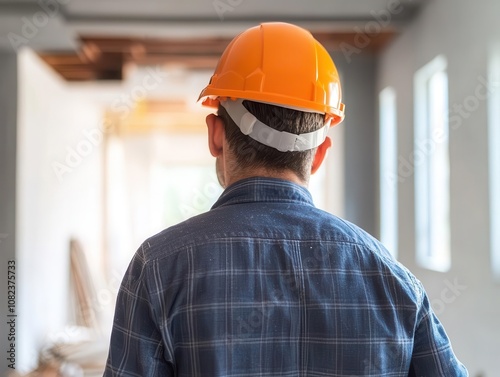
{"x": 206, "y": 9}
{"x": 57, "y": 27}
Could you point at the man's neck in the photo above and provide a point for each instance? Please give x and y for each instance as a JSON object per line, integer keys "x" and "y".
{"x": 261, "y": 172}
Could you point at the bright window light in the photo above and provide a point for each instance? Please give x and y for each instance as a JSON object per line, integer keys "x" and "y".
{"x": 494, "y": 160}
{"x": 388, "y": 170}
{"x": 432, "y": 166}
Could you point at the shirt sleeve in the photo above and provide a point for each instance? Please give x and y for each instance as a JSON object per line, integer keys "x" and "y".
{"x": 136, "y": 347}
{"x": 432, "y": 352}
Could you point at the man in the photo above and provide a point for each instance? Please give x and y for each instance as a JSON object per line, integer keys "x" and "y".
{"x": 265, "y": 284}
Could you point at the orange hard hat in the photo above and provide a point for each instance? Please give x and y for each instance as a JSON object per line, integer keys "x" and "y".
{"x": 280, "y": 64}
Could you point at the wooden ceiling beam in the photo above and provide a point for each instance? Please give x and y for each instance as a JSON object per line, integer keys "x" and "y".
{"x": 106, "y": 56}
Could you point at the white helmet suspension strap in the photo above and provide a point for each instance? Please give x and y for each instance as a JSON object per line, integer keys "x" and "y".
{"x": 280, "y": 140}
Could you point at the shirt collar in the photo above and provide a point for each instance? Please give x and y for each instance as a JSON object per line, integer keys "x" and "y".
{"x": 259, "y": 189}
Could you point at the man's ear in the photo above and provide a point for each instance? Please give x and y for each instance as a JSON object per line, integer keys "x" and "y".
{"x": 216, "y": 134}
{"x": 320, "y": 155}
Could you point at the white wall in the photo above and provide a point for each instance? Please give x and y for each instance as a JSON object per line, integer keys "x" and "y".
{"x": 463, "y": 32}
{"x": 51, "y": 207}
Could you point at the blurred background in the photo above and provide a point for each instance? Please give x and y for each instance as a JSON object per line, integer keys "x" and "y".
{"x": 102, "y": 144}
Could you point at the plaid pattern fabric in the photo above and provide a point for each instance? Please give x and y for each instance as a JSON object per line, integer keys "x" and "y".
{"x": 265, "y": 284}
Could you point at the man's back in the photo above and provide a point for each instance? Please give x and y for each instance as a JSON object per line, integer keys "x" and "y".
{"x": 265, "y": 284}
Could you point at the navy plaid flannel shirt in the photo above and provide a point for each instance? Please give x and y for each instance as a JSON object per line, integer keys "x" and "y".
{"x": 265, "y": 284}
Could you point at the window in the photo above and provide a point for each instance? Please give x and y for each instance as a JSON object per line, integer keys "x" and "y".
{"x": 432, "y": 166}
{"x": 388, "y": 170}
{"x": 494, "y": 160}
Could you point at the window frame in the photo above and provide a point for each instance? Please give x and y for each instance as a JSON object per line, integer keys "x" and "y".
{"x": 494, "y": 158}
{"x": 388, "y": 169}
{"x": 432, "y": 167}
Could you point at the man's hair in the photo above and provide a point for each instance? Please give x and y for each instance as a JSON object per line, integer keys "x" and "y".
{"x": 249, "y": 153}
